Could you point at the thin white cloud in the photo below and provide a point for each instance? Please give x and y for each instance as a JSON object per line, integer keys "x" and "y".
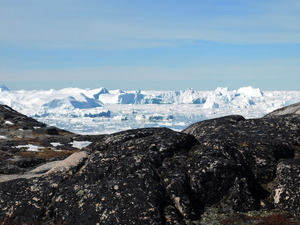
{"x": 34, "y": 25}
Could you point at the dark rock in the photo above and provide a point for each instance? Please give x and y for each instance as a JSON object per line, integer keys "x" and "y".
{"x": 16, "y": 119}
{"x": 118, "y": 184}
{"x": 212, "y": 126}
{"x": 8, "y": 168}
{"x": 29, "y": 201}
{"x": 28, "y": 162}
{"x": 172, "y": 216}
{"x": 287, "y": 192}
{"x": 175, "y": 182}
{"x": 18, "y": 164}
{"x": 251, "y": 147}
{"x": 46, "y": 131}
{"x": 261, "y": 142}
{"x": 10, "y": 146}
{"x": 217, "y": 173}
{"x": 240, "y": 197}
{"x": 155, "y": 175}
{"x": 278, "y": 130}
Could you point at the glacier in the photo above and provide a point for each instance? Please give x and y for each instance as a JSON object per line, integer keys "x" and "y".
{"x": 100, "y": 111}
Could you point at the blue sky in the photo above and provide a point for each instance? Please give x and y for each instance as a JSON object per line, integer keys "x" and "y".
{"x": 142, "y": 44}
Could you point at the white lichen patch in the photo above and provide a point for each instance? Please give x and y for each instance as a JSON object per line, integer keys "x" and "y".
{"x": 213, "y": 165}
{"x": 178, "y": 204}
{"x": 261, "y": 161}
{"x": 98, "y": 207}
{"x": 277, "y": 196}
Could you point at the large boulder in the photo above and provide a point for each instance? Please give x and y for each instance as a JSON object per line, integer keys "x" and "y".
{"x": 261, "y": 142}
{"x": 119, "y": 183}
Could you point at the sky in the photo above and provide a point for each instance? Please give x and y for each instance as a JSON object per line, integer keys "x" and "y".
{"x": 150, "y": 45}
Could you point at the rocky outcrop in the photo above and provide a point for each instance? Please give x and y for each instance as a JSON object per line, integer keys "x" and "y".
{"x": 259, "y": 142}
{"x": 118, "y": 183}
{"x": 26, "y": 143}
{"x": 290, "y": 109}
{"x": 213, "y": 171}
{"x": 14, "y": 120}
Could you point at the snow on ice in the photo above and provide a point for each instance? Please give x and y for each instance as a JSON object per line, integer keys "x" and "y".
{"x": 91, "y": 111}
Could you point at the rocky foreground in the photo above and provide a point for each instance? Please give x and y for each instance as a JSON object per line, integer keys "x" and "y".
{"x": 227, "y": 170}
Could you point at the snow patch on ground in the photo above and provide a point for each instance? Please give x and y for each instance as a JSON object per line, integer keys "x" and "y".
{"x": 80, "y": 144}
{"x": 55, "y": 144}
{"x": 8, "y": 122}
{"x": 30, "y": 147}
{"x": 3, "y": 137}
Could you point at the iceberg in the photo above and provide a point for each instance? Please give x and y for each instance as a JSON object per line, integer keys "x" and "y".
{"x": 105, "y": 111}
{"x": 3, "y": 88}
{"x": 250, "y": 92}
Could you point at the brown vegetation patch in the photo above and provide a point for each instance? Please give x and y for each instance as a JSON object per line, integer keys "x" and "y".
{"x": 47, "y": 153}
{"x": 12, "y": 127}
{"x": 297, "y": 151}
{"x": 276, "y": 218}
{"x": 64, "y": 132}
{"x": 244, "y": 144}
{"x": 15, "y": 138}
{"x": 4, "y": 156}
